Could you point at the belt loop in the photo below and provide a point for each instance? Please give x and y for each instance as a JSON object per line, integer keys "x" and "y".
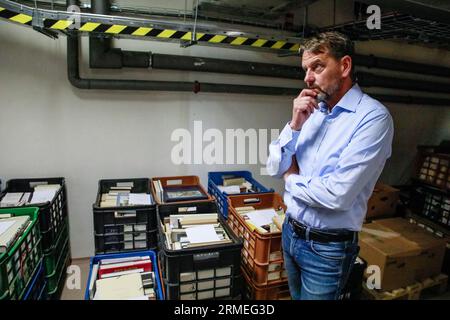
{"x": 307, "y": 233}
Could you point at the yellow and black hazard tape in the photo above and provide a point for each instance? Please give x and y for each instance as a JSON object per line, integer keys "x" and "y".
{"x": 16, "y": 17}
{"x": 116, "y": 29}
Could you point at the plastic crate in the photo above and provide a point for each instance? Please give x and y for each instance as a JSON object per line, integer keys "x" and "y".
{"x": 19, "y": 264}
{"x": 37, "y": 290}
{"x": 127, "y": 228}
{"x": 203, "y": 269}
{"x": 262, "y": 254}
{"x": 431, "y": 203}
{"x": 56, "y": 263}
{"x": 277, "y": 291}
{"x": 179, "y": 181}
{"x": 216, "y": 178}
{"x": 153, "y": 258}
{"x": 434, "y": 169}
{"x": 51, "y": 214}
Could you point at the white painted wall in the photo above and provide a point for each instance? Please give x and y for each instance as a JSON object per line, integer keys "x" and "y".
{"x": 49, "y": 128}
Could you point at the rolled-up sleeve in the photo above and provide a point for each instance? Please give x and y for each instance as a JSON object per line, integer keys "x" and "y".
{"x": 281, "y": 151}
{"x": 363, "y": 157}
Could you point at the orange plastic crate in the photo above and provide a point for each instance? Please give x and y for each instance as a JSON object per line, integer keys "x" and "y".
{"x": 262, "y": 252}
{"x": 277, "y": 291}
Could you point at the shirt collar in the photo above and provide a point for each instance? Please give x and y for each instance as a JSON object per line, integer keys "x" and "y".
{"x": 351, "y": 98}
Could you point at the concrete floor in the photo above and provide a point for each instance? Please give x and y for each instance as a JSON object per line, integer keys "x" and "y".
{"x": 83, "y": 264}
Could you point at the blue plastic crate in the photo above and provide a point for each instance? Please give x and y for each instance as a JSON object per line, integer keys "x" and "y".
{"x": 37, "y": 288}
{"x": 153, "y": 258}
{"x": 216, "y": 178}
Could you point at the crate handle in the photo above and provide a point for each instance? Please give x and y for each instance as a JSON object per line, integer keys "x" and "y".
{"x": 122, "y": 215}
{"x": 206, "y": 257}
{"x": 384, "y": 198}
{"x": 174, "y": 182}
{"x": 192, "y": 209}
{"x": 37, "y": 183}
{"x": 252, "y": 200}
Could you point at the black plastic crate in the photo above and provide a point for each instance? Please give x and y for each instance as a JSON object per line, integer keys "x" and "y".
{"x": 204, "y": 264}
{"x": 128, "y": 241}
{"x": 220, "y": 288}
{"x": 51, "y": 214}
{"x": 125, "y": 228}
{"x": 431, "y": 203}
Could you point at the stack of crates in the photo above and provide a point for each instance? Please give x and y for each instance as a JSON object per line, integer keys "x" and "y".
{"x": 54, "y": 228}
{"x": 209, "y": 272}
{"x": 262, "y": 254}
{"x": 124, "y": 228}
{"x": 215, "y": 179}
{"x": 153, "y": 257}
{"x": 21, "y": 263}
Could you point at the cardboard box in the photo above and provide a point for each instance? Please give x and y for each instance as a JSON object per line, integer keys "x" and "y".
{"x": 404, "y": 252}
{"x": 382, "y": 202}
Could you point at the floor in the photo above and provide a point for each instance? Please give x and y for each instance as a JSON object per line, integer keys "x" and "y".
{"x": 83, "y": 264}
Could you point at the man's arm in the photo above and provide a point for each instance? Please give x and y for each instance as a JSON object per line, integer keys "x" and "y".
{"x": 361, "y": 159}
{"x": 281, "y": 151}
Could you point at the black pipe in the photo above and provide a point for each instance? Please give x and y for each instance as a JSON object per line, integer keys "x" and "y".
{"x": 174, "y": 62}
{"x": 371, "y": 61}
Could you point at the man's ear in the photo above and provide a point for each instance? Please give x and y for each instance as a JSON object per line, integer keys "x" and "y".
{"x": 346, "y": 66}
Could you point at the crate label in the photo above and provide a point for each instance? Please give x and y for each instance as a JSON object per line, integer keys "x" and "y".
{"x": 125, "y": 184}
{"x": 206, "y": 256}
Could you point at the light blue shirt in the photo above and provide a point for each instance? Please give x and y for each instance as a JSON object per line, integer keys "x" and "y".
{"x": 340, "y": 155}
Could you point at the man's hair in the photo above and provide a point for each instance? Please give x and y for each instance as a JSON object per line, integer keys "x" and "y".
{"x": 336, "y": 44}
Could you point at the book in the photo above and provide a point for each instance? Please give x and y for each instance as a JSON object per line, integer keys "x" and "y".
{"x": 119, "y": 288}
{"x": 104, "y": 269}
{"x": 93, "y": 280}
{"x": 11, "y": 229}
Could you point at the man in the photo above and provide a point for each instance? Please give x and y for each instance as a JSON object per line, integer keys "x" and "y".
{"x": 330, "y": 156}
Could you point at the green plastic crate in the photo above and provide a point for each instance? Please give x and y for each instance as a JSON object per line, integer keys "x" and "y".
{"x": 21, "y": 262}
{"x": 52, "y": 257}
{"x": 56, "y": 260}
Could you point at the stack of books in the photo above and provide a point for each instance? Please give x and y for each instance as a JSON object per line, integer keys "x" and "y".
{"x": 129, "y": 278}
{"x": 11, "y": 229}
{"x": 263, "y": 220}
{"x": 41, "y": 194}
{"x": 122, "y": 197}
{"x": 193, "y": 230}
{"x": 235, "y": 185}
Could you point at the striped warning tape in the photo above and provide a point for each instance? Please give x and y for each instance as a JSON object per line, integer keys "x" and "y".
{"x": 117, "y": 29}
{"x": 16, "y": 17}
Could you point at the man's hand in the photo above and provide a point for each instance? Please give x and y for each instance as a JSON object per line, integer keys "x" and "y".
{"x": 293, "y": 169}
{"x": 302, "y": 108}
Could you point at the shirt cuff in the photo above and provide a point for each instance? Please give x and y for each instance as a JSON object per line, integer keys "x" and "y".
{"x": 288, "y": 138}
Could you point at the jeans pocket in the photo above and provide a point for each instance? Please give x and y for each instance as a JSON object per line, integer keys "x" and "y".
{"x": 333, "y": 251}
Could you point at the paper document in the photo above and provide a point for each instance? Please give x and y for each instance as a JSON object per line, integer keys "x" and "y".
{"x": 139, "y": 199}
{"x": 230, "y": 189}
{"x": 41, "y": 196}
{"x": 203, "y": 233}
{"x": 5, "y": 225}
{"x": 261, "y": 217}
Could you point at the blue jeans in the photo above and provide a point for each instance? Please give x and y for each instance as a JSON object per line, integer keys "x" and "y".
{"x": 316, "y": 270}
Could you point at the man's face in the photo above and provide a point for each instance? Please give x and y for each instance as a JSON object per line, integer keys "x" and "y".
{"x": 323, "y": 72}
